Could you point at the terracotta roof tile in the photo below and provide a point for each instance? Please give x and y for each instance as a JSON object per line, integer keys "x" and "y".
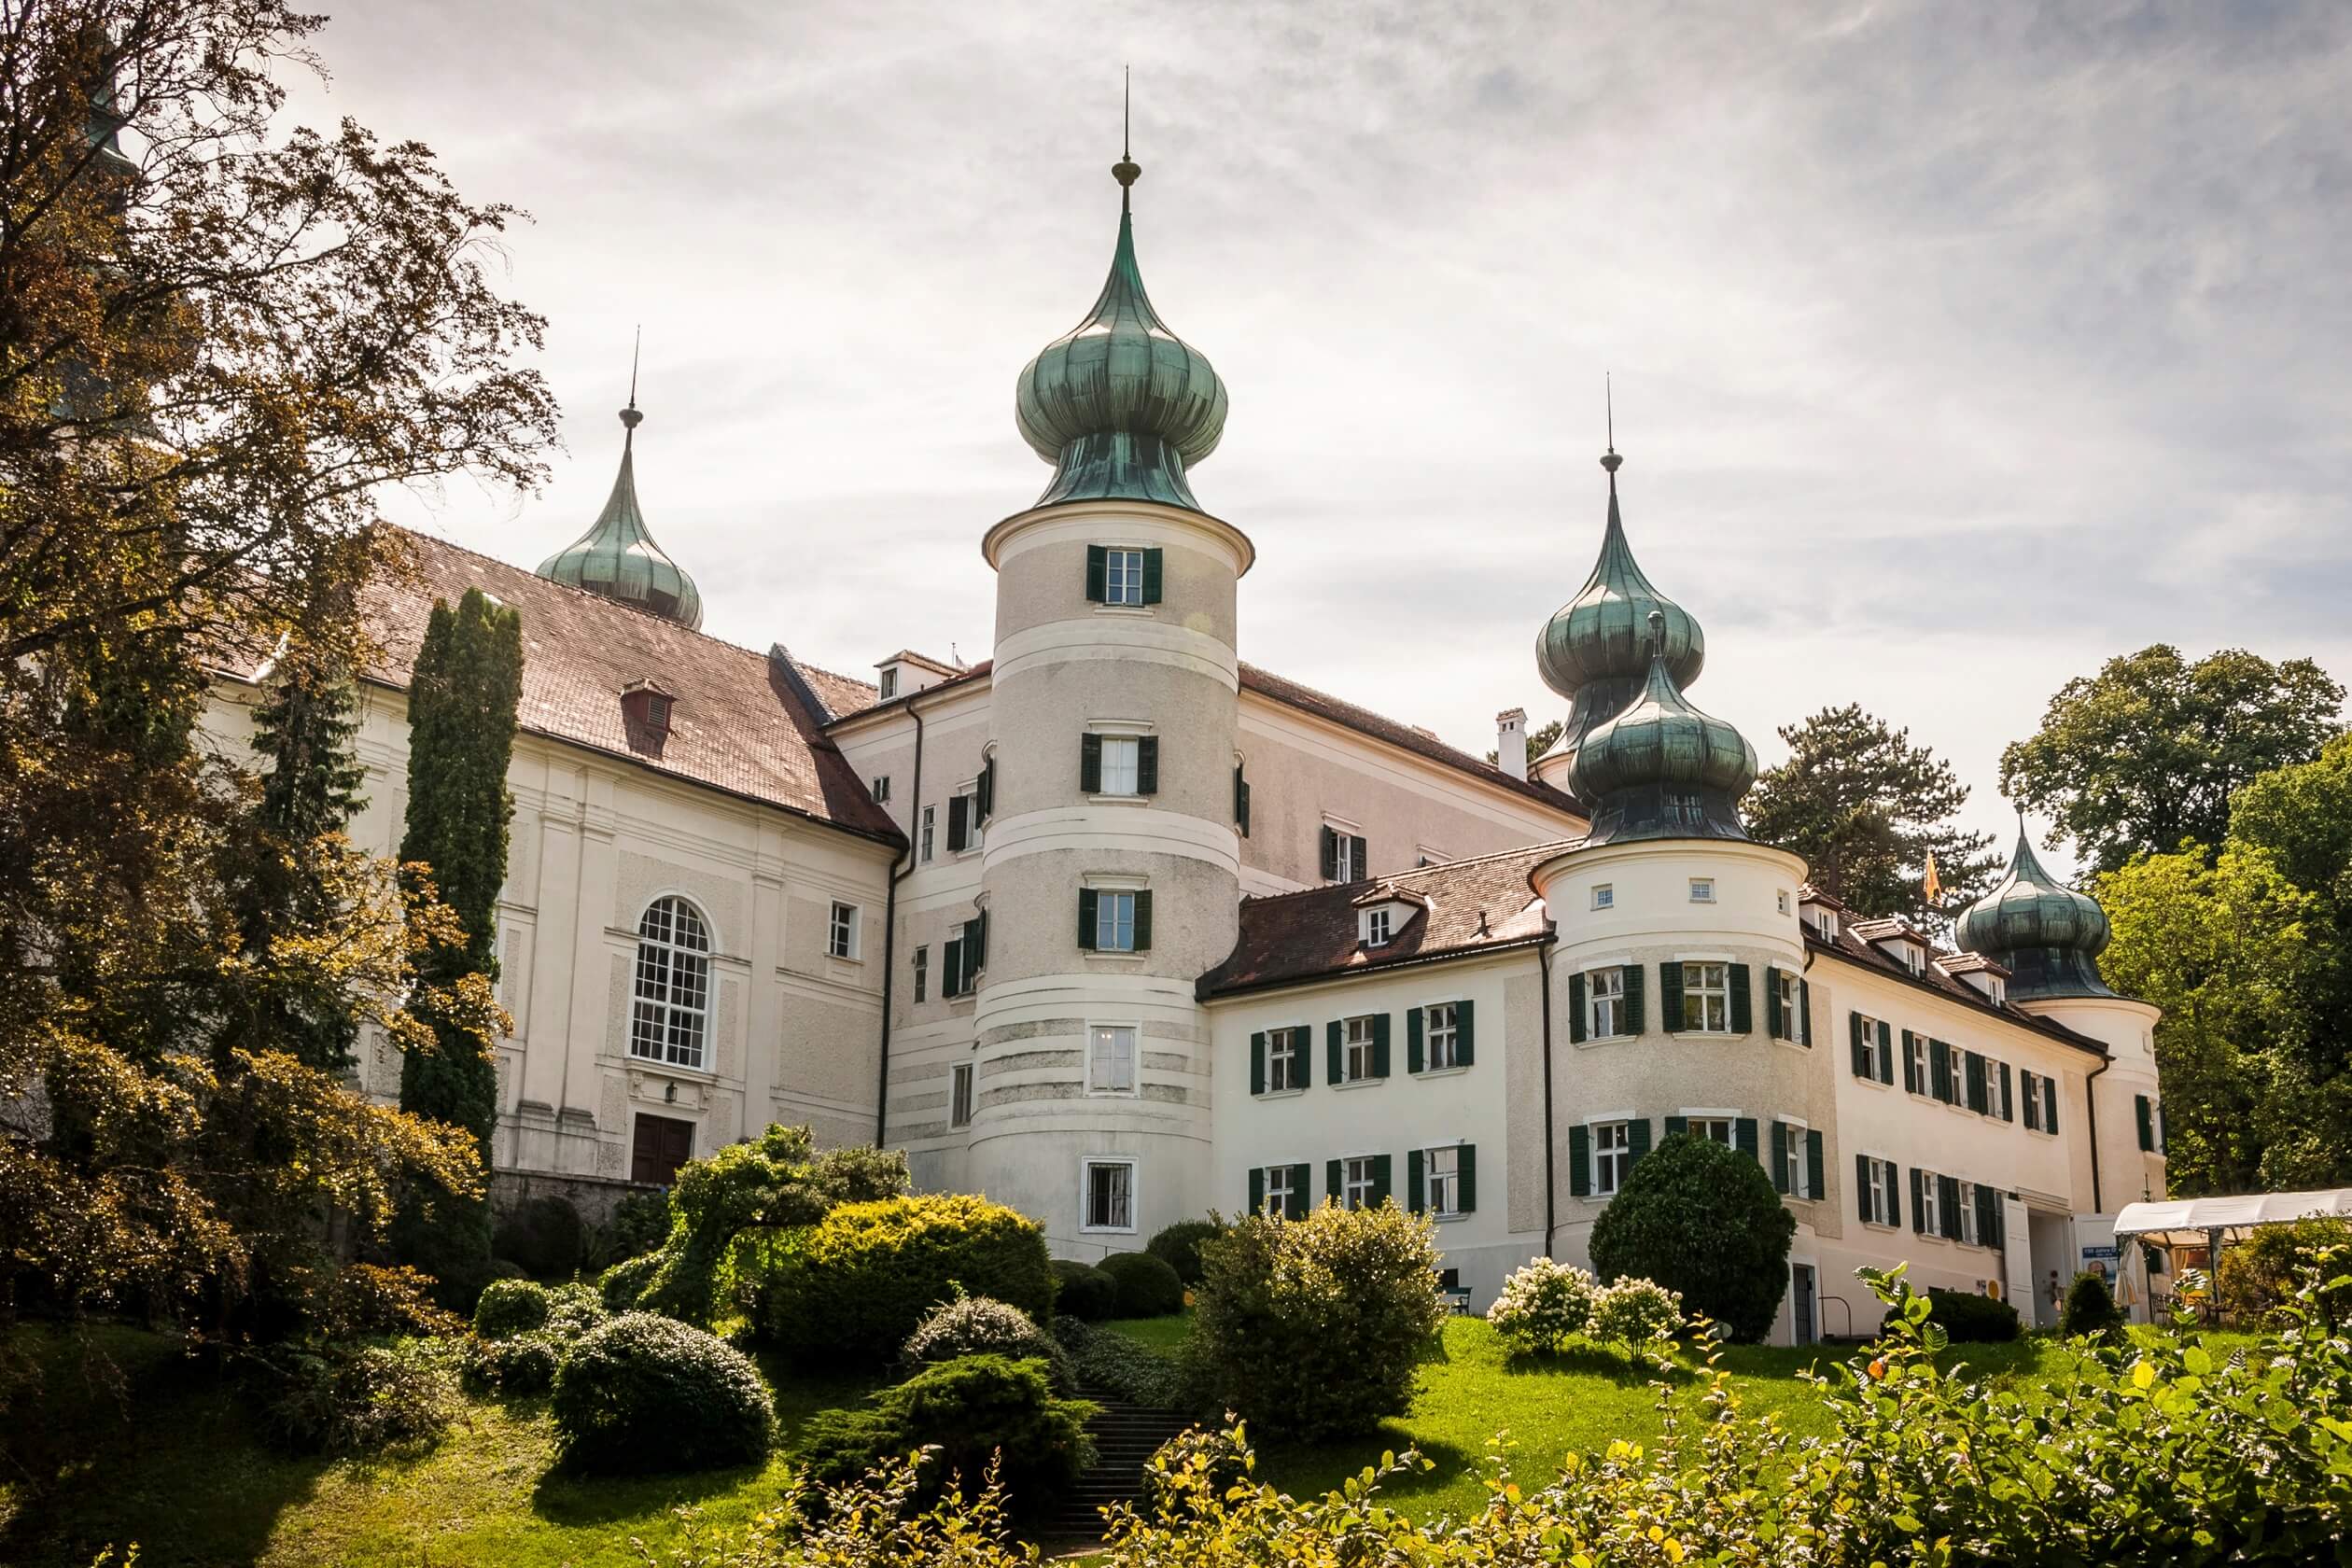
{"x": 1856, "y": 950}
{"x": 738, "y": 725}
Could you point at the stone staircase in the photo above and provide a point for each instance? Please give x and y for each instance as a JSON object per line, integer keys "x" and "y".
{"x": 1124, "y": 1439}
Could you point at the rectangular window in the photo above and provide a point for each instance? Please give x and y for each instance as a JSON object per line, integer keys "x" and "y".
{"x": 922, "y": 974}
{"x": 1114, "y": 922}
{"x": 1376, "y": 928}
{"x": 841, "y": 936}
{"x": 1716, "y": 1130}
{"x": 1286, "y": 1058}
{"x": 1702, "y": 890}
{"x": 1781, "y": 901}
{"x": 1110, "y": 1186}
{"x": 1344, "y": 856}
{"x": 1441, "y": 1036}
{"x": 1604, "y": 1001}
{"x": 881, "y": 788}
{"x": 1920, "y": 1064}
{"x": 1111, "y": 1059}
{"x": 1792, "y": 1007}
{"x": 1877, "y": 1191}
{"x": 954, "y": 977}
{"x": 889, "y": 685}
{"x": 1792, "y": 1138}
{"x": 1930, "y": 1221}
{"x": 963, "y": 819}
{"x": 1612, "y": 1156}
{"x": 1119, "y": 756}
{"x": 1442, "y": 1171}
{"x": 1123, "y": 577}
{"x": 931, "y": 833}
{"x": 1281, "y": 1189}
{"x": 959, "y": 1095}
{"x": 1968, "y": 1206}
{"x": 1356, "y": 1055}
{"x": 1707, "y": 998}
{"x": 1605, "y": 896}
{"x": 1359, "y": 1178}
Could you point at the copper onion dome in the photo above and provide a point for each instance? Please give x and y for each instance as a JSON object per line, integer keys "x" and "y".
{"x": 1602, "y": 634}
{"x": 1120, "y": 406}
{"x": 617, "y": 556}
{"x": 2047, "y": 934}
{"x": 1661, "y": 768}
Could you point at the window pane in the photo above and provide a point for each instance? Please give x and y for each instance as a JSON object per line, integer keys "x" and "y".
{"x": 1118, "y": 764}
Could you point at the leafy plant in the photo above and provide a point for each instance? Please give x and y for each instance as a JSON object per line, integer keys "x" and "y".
{"x": 977, "y": 1411}
{"x": 2259, "y": 1276}
{"x": 639, "y": 1224}
{"x": 1083, "y": 1292}
{"x": 1196, "y": 1468}
{"x": 621, "y": 1286}
{"x": 976, "y": 1325}
{"x": 1702, "y": 1220}
{"x": 2091, "y": 1308}
{"x": 520, "y": 1363}
{"x": 1636, "y": 1312}
{"x": 359, "y": 1398}
{"x": 1124, "y": 1368}
{"x": 1148, "y": 1286}
{"x": 1179, "y": 1246}
{"x": 508, "y": 1307}
{"x": 1971, "y": 1318}
{"x": 1542, "y": 1306}
{"x": 857, "y": 1282}
{"x": 646, "y": 1393}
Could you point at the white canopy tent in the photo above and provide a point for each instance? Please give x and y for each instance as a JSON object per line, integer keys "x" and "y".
{"x": 2202, "y": 1222}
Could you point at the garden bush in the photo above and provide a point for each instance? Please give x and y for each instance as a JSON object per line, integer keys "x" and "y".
{"x": 1702, "y": 1220}
{"x": 573, "y": 1309}
{"x": 510, "y": 1307}
{"x": 1148, "y": 1286}
{"x": 520, "y": 1363}
{"x": 1542, "y": 1306}
{"x": 1636, "y": 1312}
{"x": 975, "y": 1410}
{"x": 2091, "y": 1308}
{"x": 621, "y": 1286}
{"x": 976, "y": 1325}
{"x": 638, "y": 1224}
{"x": 859, "y": 1280}
{"x": 1179, "y": 1246}
{"x": 1972, "y": 1319}
{"x": 1083, "y": 1292}
{"x": 1124, "y": 1368}
{"x": 1186, "y": 1473}
{"x": 2258, "y": 1276}
{"x": 1312, "y": 1328}
{"x": 648, "y": 1393}
{"x": 350, "y": 1399}
{"x": 543, "y": 1234}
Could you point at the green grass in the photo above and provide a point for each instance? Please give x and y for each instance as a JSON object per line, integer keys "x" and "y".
{"x": 1161, "y": 1334}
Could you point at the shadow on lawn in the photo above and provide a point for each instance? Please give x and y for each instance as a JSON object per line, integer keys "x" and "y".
{"x": 572, "y": 1500}
{"x": 1592, "y": 1361}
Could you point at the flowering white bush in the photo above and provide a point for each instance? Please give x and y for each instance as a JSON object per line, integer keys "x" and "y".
{"x": 1542, "y": 1306}
{"x": 1636, "y": 1312}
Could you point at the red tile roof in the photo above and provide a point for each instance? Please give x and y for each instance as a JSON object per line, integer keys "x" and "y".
{"x": 1478, "y": 906}
{"x": 1856, "y": 950}
{"x": 738, "y": 723}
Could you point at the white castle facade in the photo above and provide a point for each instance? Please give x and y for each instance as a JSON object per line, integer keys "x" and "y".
{"x": 1116, "y": 929}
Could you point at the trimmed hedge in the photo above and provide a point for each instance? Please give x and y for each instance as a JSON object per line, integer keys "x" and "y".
{"x": 511, "y": 1306}
{"x": 1967, "y": 1317}
{"x": 975, "y": 1410}
{"x": 1179, "y": 1246}
{"x": 861, "y": 1279}
{"x": 646, "y": 1393}
{"x": 1085, "y": 1292}
{"x": 1148, "y": 1286}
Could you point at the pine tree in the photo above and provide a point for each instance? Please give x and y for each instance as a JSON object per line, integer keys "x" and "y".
{"x": 462, "y": 699}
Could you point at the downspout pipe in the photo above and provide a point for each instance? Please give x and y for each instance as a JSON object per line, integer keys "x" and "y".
{"x": 2091, "y": 1112}
{"x": 1551, "y": 1185}
{"x": 890, "y": 930}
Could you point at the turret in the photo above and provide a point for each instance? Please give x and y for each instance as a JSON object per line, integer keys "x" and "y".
{"x": 617, "y": 556}
{"x": 2047, "y": 935}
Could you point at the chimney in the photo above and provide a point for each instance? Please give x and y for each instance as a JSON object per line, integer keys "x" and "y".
{"x": 1510, "y": 741}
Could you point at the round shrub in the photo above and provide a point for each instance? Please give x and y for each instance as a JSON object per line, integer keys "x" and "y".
{"x": 1636, "y": 1312}
{"x": 1543, "y": 1305}
{"x": 2091, "y": 1308}
{"x": 1188, "y": 1476}
{"x": 1314, "y": 1328}
{"x": 645, "y": 1392}
{"x": 573, "y": 1309}
{"x": 860, "y": 1279}
{"x": 975, "y": 1410}
{"x": 1179, "y": 1246}
{"x": 1148, "y": 1286}
{"x": 1085, "y": 1292}
{"x": 1968, "y": 1318}
{"x": 544, "y": 1235}
{"x": 518, "y": 1365}
{"x": 510, "y": 1307}
{"x": 622, "y": 1285}
{"x": 356, "y": 1399}
{"x": 976, "y": 1325}
{"x": 1702, "y": 1220}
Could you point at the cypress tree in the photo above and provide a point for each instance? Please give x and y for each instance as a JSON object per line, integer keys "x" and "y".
{"x": 462, "y": 700}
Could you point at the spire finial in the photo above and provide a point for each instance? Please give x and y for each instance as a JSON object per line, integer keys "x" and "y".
{"x": 630, "y": 417}
{"x": 1610, "y": 460}
{"x": 1658, "y": 634}
{"x": 1125, "y": 170}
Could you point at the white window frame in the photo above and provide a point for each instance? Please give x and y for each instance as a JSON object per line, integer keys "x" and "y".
{"x": 1965, "y": 1198}
{"x": 1123, "y": 575}
{"x": 1718, "y": 993}
{"x": 1871, "y": 1046}
{"x": 887, "y": 688}
{"x": 1780, "y": 899}
{"x": 1878, "y": 1192}
{"x": 1286, "y": 1053}
{"x": 1793, "y": 1134}
{"x": 922, "y": 972}
{"x": 1702, "y": 890}
{"x": 1609, "y": 1004}
{"x": 1343, "y": 858}
{"x": 1275, "y": 1194}
{"x": 970, "y": 792}
{"x": 1605, "y": 895}
{"x": 1109, "y": 902}
{"x": 1440, "y": 1038}
{"x": 1928, "y": 1221}
{"x": 1356, "y": 1035}
{"x": 1357, "y": 1181}
{"x": 842, "y": 930}
{"x": 929, "y": 833}
{"x": 1088, "y": 1166}
{"x": 959, "y": 1095}
{"x": 1794, "y": 1024}
{"x": 1611, "y": 1144}
{"x": 1923, "y": 1059}
{"x": 671, "y": 977}
{"x": 881, "y": 788}
{"x": 1452, "y": 1178}
{"x": 1375, "y": 926}
{"x": 1104, "y": 1078}
{"x": 1121, "y": 765}
{"x": 1693, "y": 1121}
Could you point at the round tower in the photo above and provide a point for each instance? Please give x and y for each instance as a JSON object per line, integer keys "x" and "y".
{"x": 1109, "y": 863}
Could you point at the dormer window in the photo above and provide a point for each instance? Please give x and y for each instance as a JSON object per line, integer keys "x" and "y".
{"x": 1376, "y": 927}
{"x": 889, "y": 688}
{"x": 1383, "y": 915}
{"x": 644, "y": 715}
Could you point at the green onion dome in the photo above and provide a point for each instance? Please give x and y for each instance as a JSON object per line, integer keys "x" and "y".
{"x": 1120, "y": 406}
{"x": 2047, "y": 935}
{"x": 1661, "y": 768}
{"x": 1602, "y": 634}
{"x": 617, "y": 556}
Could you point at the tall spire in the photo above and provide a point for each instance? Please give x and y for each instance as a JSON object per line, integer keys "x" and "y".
{"x": 617, "y": 556}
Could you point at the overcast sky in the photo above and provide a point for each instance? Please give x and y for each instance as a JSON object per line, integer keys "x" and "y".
{"x": 1956, "y": 348}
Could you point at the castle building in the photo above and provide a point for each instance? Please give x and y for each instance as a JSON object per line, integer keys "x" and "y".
{"x": 1118, "y": 929}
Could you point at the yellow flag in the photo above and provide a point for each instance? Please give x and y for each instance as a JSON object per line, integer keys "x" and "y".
{"x": 1932, "y": 885}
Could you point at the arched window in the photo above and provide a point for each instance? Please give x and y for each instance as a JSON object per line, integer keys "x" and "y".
{"x": 673, "y": 985}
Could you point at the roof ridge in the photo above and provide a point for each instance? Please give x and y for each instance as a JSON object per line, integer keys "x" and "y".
{"x": 1415, "y": 871}
{"x": 1386, "y": 718}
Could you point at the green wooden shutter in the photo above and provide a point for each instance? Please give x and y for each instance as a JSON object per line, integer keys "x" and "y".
{"x": 1780, "y": 1159}
{"x": 2147, "y": 1123}
{"x": 1640, "y": 1140}
{"x": 959, "y": 822}
{"x": 1147, "y": 764}
{"x": 1579, "y": 1161}
{"x": 1416, "y": 1185}
{"x": 1775, "y": 1018}
{"x": 1413, "y": 1039}
{"x": 1257, "y": 1072}
{"x": 1988, "y": 1207}
{"x": 951, "y": 967}
{"x": 1465, "y": 1034}
{"x": 1152, "y": 576}
{"x": 1862, "y": 1188}
{"x": 1894, "y": 1198}
{"x": 1466, "y": 1178}
{"x": 1743, "y": 1136}
{"x": 1362, "y": 868}
{"x": 2033, "y": 1100}
{"x": 1742, "y": 998}
{"x": 1086, "y": 918}
{"x": 1632, "y": 1024}
{"x": 1816, "y": 1168}
{"x": 1670, "y": 996}
{"x": 1886, "y": 1053}
{"x": 1098, "y": 573}
{"x": 1143, "y": 920}
{"x": 1257, "y": 1187}
{"x": 1330, "y": 854}
{"x": 1379, "y": 1046}
{"x": 1948, "y": 1206}
{"x": 976, "y": 940}
{"x": 1940, "y": 1070}
{"x": 2050, "y": 1105}
{"x": 1804, "y": 1013}
{"x": 1241, "y": 802}
{"x": 1577, "y": 1008}
{"x": 1911, "y": 1064}
{"x": 1379, "y": 1179}
{"x": 1296, "y": 1208}
{"x": 2008, "y": 1098}
{"x": 1090, "y": 763}
{"x": 1973, "y": 1067}
{"x": 1303, "y": 1056}
{"x": 1335, "y": 1040}
{"x": 984, "y": 792}
{"x": 1331, "y": 1179}
{"x": 1861, "y": 1048}
{"x": 1677, "y": 1124}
